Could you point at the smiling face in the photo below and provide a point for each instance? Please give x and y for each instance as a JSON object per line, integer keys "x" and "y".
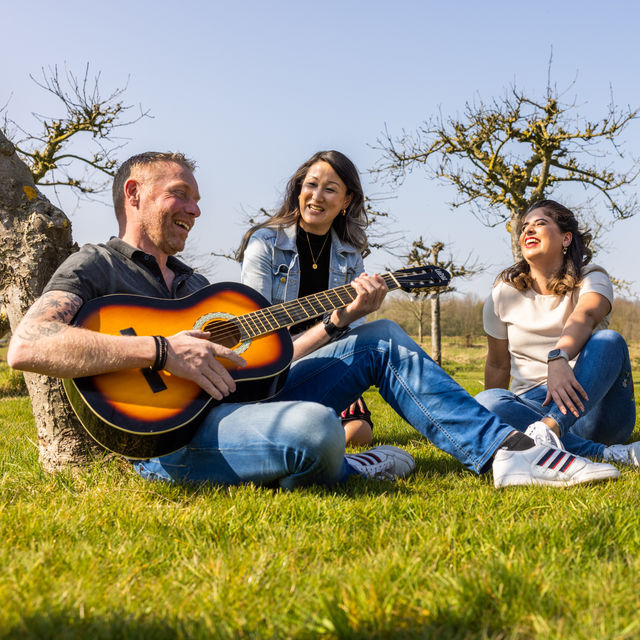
{"x": 541, "y": 238}
{"x": 165, "y": 195}
{"x": 323, "y": 195}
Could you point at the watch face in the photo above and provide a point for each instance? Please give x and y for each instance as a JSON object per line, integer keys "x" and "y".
{"x": 555, "y": 353}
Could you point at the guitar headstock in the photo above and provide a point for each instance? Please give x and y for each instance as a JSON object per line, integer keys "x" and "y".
{"x": 422, "y": 277}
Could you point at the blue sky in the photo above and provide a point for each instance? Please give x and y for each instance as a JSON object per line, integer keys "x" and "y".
{"x": 251, "y": 89}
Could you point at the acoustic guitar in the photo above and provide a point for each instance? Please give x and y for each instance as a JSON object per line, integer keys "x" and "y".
{"x": 141, "y": 413}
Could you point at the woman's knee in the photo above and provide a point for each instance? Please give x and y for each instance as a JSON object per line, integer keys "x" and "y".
{"x": 608, "y": 342}
{"x": 607, "y": 337}
{"x": 491, "y": 399}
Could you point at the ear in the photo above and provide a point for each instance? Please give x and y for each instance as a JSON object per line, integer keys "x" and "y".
{"x": 347, "y": 201}
{"x": 132, "y": 192}
{"x": 568, "y": 237}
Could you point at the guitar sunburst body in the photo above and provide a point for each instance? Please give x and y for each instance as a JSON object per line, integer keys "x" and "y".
{"x": 141, "y": 413}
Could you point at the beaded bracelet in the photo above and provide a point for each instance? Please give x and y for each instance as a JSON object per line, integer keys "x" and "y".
{"x": 162, "y": 350}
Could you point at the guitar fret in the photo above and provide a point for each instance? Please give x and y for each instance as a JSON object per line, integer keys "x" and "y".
{"x": 244, "y": 330}
{"x": 304, "y": 301}
{"x": 268, "y": 320}
{"x": 259, "y": 320}
{"x": 273, "y": 323}
{"x": 391, "y": 281}
{"x": 335, "y": 301}
{"x": 343, "y": 292}
{"x": 298, "y": 313}
{"x": 253, "y": 327}
{"x": 316, "y": 305}
{"x": 327, "y": 305}
{"x": 282, "y": 316}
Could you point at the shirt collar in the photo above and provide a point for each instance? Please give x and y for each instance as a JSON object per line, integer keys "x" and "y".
{"x": 137, "y": 255}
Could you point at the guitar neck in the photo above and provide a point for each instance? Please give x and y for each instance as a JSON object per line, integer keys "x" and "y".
{"x": 264, "y": 321}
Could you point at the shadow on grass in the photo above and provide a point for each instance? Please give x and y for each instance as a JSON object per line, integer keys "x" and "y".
{"x": 68, "y": 625}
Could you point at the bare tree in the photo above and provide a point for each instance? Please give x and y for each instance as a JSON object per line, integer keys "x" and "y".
{"x": 422, "y": 254}
{"x": 35, "y": 236}
{"x": 505, "y": 155}
{"x": 50, "y": 155}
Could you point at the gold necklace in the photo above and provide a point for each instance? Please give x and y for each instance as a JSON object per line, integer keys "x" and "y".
{"x": 314, "y": 260}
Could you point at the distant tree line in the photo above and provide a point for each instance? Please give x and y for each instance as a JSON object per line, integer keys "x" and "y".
{"x": 462, "y": 316}
{"x": 625, "y": 319}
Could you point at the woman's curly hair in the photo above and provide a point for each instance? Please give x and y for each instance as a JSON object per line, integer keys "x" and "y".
{"x": 578, "y": 253}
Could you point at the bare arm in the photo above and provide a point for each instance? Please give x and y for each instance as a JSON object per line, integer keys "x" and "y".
{"x": 46, "y": 343}
{"x": 562, "y": 386}
{"x": 371, "y": 292}
{"x": 497, "y": 368}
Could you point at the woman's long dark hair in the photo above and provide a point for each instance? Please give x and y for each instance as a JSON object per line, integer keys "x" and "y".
{"x": 577, "y": 257}
{"x": 350, "y": 227}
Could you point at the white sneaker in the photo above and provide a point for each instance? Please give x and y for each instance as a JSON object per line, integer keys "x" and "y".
{"x": 623, "y": 453}
{"x": 542, "y": 465}
{"x": 540, "y": 433}
{"x": 385, "y": 462}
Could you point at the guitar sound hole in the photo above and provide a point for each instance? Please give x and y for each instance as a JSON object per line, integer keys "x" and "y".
{"x": 223, "y": 332}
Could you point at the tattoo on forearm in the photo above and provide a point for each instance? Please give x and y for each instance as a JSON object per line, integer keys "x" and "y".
{"x": 49, "y": 316}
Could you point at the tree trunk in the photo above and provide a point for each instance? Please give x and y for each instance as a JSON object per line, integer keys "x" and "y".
{"x": 35, "y": 237}
{"x": 436, "y": 339}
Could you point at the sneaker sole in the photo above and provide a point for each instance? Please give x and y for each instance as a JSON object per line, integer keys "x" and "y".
{"x": 522, "y": 480}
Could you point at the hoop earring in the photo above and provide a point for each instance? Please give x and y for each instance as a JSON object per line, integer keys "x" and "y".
{"x": 344, "y": 212}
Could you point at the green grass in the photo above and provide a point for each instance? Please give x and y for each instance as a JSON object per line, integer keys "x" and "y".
{"x": 105, "y": 554}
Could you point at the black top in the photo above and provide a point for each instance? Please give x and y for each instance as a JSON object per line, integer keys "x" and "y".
{"x": 117, "y": 267}
{"x": 312, "y": 249}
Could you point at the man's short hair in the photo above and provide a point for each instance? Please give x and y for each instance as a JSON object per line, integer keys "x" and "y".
{"x": 140, "y": 160}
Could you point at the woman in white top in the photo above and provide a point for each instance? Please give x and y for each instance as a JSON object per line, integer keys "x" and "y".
{"x": 546, "y": 322}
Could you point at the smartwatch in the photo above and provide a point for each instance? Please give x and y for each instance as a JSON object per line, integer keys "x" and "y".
{"x": 554, "y": 354}
{"x": 333, "y": 331}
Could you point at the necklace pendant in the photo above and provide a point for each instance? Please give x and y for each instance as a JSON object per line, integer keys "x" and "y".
{"x": 314, "y": 266}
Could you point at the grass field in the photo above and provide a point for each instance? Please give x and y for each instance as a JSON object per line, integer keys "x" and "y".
{"x": 105, "y": 554}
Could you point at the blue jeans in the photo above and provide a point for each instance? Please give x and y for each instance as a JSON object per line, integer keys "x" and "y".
{"x": 604, "y": 371}
{"x": 297, "y": 438}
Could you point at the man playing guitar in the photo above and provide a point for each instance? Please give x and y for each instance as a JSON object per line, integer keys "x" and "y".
{"x": 295, "y": 438}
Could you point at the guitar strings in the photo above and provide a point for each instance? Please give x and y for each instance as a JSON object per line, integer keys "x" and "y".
{"x": 275, "y": 317}
{"x": 285, "y": 314}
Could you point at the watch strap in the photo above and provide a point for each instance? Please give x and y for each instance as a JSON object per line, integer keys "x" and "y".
{"x": 332, "y": 330}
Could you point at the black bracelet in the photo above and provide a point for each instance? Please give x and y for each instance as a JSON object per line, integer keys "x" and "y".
{"x": 333, "y": 331}
{"x": 162, "y": 350}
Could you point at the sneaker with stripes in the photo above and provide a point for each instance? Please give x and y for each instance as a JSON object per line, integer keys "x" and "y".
{"x": 382, "y": 463}
{"x": 544, "y": 465}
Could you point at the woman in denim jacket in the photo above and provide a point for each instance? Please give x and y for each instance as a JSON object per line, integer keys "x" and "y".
{"x": 315, "y": 241}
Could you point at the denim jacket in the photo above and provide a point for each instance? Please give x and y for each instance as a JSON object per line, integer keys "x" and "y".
{"x": 271, "y": 264}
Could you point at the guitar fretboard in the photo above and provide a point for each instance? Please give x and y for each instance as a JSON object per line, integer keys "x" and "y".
{"x": 279, "y": 316}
